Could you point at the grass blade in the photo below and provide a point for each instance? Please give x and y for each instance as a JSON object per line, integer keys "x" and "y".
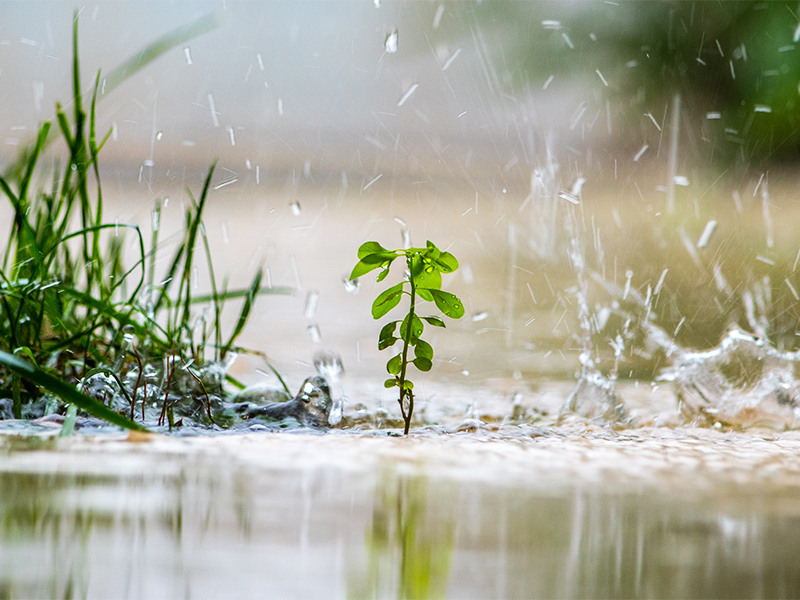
{"x": 248, "y": 305}
{"x": 66, "y": 392}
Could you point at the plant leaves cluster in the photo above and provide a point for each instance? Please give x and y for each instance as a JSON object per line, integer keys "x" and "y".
{"x": 425, "y": 267}
{"x": 71, "y": 312}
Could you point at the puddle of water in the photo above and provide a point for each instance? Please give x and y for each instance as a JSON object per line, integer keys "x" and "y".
{"x": 584, "y": 512}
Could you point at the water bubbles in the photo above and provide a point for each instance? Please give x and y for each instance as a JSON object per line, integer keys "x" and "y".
{"x": 391, "y": 42}
{"x": 295, "y": 208}
{"x": 351, "y": 286}
{"x": 312, "y": 299}
{"x": 187, "y": 54}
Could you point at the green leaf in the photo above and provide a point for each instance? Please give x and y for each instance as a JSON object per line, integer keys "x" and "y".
{"x": 424, "y": 294}
{"x": 368, "y": 248}
{"x": 386, "y": 337}
{"x": 390, "y": 383}
{"x": 435, "y": 321}
{"x": 408, "y": 385}
{"x": 370, "y": 263}
{"x": 387, "y": 300}
{"x": 382, "y": 275}
{"x": 395, "y": 364}
{"x": 423, "y": 364}
{"x": 433, "y": 252}
{"x": 66, "y": 392}
{"x": 448, "y": 303}
{"x": 446, "y": 262}
{"x": 424, "y": 273}
{"x": 423, "y": 349}
{"x": 416, "y": 329}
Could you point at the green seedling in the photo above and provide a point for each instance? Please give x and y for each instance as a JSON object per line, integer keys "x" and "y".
{"x": 423, "y": 280}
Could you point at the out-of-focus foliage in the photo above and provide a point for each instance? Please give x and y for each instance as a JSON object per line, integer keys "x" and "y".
{"x": 738, "y": 59}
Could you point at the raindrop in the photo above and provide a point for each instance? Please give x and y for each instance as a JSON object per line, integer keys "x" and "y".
{"x": 351, "y": 285}
{"x": 480, "y": 316}
{"x": 156, "y": 217}
{"x": 260, "y": 61}
{"x": 377, "y": 3}
{"x": 280, "y": 107}
{"x": 437, "y": 18}
{"x": 295, "y": 206}
{"x": 230, "y": 133}
{"x": 187, "y": 53}
{"x": 159, "y": 135}
{"x": 406, "y": 236}
{"x": 706, "y": 235}
{"x": 628, "y": 276}
{"x": 213, "y": 110}
{"x": 391, "y": 42}
{"x": 408, "y": 93}
{"x": 465, "y": 373}
{"x": 195, "y": 278}
{"x": 312, "y": 299}
{"x": 225, "y": 237}
{"x": 639, "y": 154}
{"x": 313, "y": 331}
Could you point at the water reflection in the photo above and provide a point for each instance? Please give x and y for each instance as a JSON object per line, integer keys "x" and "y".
{"x": 121, "y": 524}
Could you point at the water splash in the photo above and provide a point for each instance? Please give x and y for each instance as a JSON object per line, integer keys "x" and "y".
{"x": 742, "y": 382}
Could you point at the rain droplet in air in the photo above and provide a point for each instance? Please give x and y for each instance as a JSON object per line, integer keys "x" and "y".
{"x": 480, "y": 316}
{"x": 312, "y": 299}
{"x": 313, "y": 331}
{"x": 187, "y": 52}
{"x": 391, "y": 42}
{"x": 159, "y": 135}
{"x": 351, "y": 285}
{"x": 225, "y": 237}
{"x": 295, "y": 206}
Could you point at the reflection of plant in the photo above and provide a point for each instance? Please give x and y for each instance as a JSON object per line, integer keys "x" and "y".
{"x": 409, "y": 550}
{"x": 424, "y": 278}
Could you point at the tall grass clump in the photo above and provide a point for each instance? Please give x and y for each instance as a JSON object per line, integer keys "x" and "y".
{"x": 80, "y": 327}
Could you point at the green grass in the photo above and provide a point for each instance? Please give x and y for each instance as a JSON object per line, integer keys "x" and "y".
{"x": 71, "y": 309}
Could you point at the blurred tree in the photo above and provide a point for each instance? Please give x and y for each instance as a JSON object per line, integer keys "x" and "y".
{"x": 735, "y": 64}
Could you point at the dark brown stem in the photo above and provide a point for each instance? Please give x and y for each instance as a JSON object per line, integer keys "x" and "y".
{"x": 404, "y": 362}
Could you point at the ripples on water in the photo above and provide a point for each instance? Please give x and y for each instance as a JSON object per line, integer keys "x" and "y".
{"x": 581, "y": 511}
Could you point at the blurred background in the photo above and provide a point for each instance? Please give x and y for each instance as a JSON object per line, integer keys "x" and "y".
{"x": 602, "y": 170}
